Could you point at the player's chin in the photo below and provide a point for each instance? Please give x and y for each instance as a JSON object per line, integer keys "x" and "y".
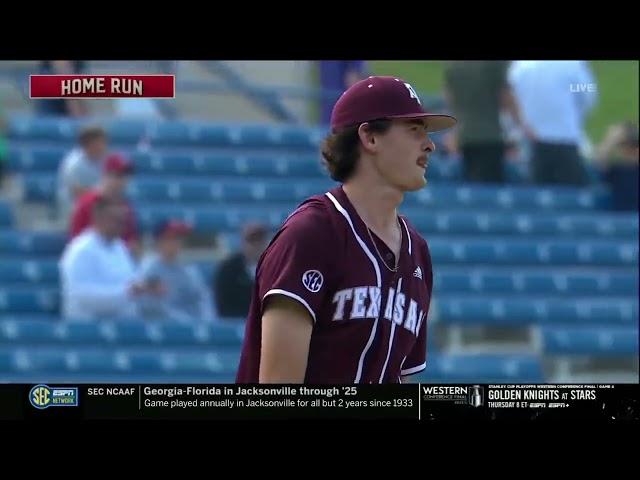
{"x": 414, "y": 183}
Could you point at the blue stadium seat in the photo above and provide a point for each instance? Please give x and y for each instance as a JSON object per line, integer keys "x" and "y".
{"x": 173, "y": 133}
{"x": 214, "y": 136}
{"x": 145, "y": 362}
{"x": 40, "y": 128}
{"x": 7, "y": 362}
{"x": 484, "y": 310}
{"x": 133, "y": 333}
{"x": 482, "y": 369}
{"x": 96, "y": 362}
{"x": 83, "y": 333}
{"x": 300, "y": 137}
{"x": 31, "y": 243}
{"x": 28, "y": 300}
{"x": 126, "y": 132}
{"x": 194, "y": 363}
{"x": 36, "y": 272}
{"x": 6, "y": 217}
{"x": 600, "y": 341}
{"x": 39, "y": 188}
{"x": 259, "y": 136}
{"x": 43, "y": 160}
{"x": 448, "y": 250}
{"x": 606, "y": 311}
{"x": 447, "y": 280}
{"x": 50, "y": 360}
{"x": 28, "y": 332}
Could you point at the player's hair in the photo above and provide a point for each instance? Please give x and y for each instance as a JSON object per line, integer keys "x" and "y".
{"x": 341, "y": 150}
{"x": 90, "y": 133}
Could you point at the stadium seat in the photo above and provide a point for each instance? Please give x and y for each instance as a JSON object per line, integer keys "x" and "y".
{"x": 214, "y": 136}
{"x": 7, "y": 362}
{"x": 482, "y": 369}
{"x": 126, "y": 132}
{"x": 145, "y": 362}
{"x": 601, "y": 341}
{"x": 6, "y": 217}
{"x": 28, "y": 333}
{"x": 50, "y": 360}
{"x": 33, "y": 272}
{"x": 28, "y": 301}
{"x": 446, "y": 250}
{"x": 518, "y": 311}
{"x": 92, "y": 362}
{"x": 39, "y": 188}
{"x": 31, "y": 244}
{"x": 41, "y": 128}
{"x": 451, "y": 280}
{"x": 173, "y": 133}
{"x": 41, "y": 160}
{"x": 84, "y": 333}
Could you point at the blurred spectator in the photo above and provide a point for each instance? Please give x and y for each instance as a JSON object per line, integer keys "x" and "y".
{"x": 60, "y": 106}
{"x": 554, "y": 98}
{"x": 184, "y": 294}
{"x": 81, "y": 169}
{"x": 236, "y": 275}
{"x": 98, "y": 278}
{"x": 337, "y": 76}
{"x": 618, "y": 158}
{"x": 116, "y": 173}
{"x": 477, "y": 92}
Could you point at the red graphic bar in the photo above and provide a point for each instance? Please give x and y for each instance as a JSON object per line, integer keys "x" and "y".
{"x": 102, "y": 86}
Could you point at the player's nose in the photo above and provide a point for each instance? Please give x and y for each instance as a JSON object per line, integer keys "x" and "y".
{"x": 428, "y": 145}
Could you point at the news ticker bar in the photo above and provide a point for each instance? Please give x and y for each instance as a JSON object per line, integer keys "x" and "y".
{"x": 419, "y": 402}
{"x": 102, "y": 86}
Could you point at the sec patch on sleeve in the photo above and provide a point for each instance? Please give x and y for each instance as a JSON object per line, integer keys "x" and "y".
{"x": 312, "y": 280}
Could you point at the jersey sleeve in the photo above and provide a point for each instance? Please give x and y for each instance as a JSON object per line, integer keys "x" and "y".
{"x": 416, "y": 361}
{"x": 300, "y": 261}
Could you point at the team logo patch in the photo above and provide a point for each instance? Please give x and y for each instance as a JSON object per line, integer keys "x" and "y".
{"x": 43, "y": 396}
{"x": 312, "y": 280}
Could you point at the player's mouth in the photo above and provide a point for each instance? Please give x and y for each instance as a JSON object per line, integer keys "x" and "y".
{"x": 422, "y": 162}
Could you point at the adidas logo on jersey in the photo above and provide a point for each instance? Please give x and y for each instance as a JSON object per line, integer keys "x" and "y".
{"x": 418, "y": 273}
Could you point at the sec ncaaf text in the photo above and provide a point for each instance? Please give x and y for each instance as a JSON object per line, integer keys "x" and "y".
{"x": 112, "y": 391}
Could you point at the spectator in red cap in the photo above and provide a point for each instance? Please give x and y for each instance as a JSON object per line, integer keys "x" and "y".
{"x": 185, "y": 297}
{"x": 116, "y": 173}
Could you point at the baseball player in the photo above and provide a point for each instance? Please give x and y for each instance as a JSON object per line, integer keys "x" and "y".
{"x": 342, "y": 292}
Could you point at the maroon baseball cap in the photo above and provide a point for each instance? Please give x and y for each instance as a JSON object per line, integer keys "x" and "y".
{"x": 174, "y": 228}
{"x": 117, "y": 163}
{"x": 376, "y": 98}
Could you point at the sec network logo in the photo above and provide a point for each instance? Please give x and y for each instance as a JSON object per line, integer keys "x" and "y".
{"x": 43, "y": 396}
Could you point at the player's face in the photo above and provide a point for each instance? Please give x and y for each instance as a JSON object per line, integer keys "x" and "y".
{"x": 116, "y": 184}
{"x": 170, "y": 246}
{"x": 403, "y": 154}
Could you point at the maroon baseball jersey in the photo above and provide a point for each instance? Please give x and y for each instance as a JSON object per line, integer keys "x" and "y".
{"x": 369, "y": 322}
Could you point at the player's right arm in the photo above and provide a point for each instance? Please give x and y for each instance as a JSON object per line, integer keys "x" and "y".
{"x": 286, "y": 334}
{"x": 295, "y": 278}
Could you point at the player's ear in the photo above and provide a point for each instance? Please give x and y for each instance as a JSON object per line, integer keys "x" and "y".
{"x": 367, "y": 137}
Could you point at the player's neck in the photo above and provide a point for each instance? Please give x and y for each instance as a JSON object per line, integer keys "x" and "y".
{"x": 376, "y": 204}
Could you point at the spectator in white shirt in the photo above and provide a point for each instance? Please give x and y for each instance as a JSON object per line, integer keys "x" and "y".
{"x": 97, "y": 272}
{"x": 555, "y": 98}
{"x": 81, "y": 169}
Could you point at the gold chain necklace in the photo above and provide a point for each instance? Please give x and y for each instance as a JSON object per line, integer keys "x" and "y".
{"x": 395, "y": 269}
